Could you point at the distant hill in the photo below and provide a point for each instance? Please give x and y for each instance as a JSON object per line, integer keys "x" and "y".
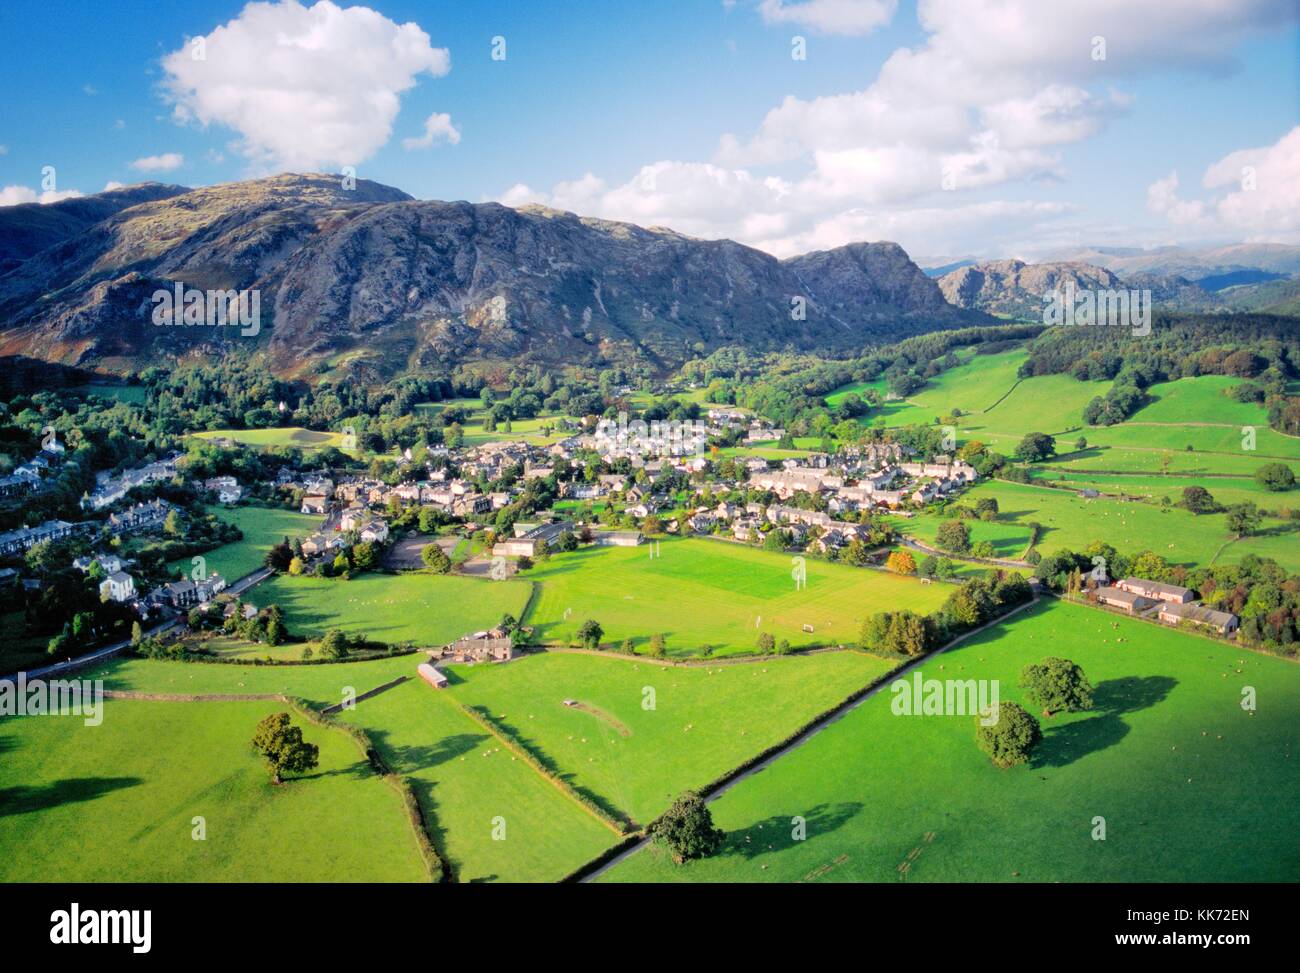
{"x": 1014, "y": 288}
{"x": 1194, "y": 264}
{"x": 370, "y": 277}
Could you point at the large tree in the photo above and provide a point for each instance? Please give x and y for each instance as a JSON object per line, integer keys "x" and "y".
{"x": 1275, "y": 476}
{"x": 1198, "y": 500}
{"x": 1035, "y": 447}
{"x": 1011, "y": 738}
{"x": 281, "y": 744}
{"x": 435, "y": 559}
{"x": 1058, "y": 685}
{"x": 590, "y": 633}
{"x": 1243, "y": 519}
{"x": 686, "y": 829}
{"x": 953, "y": 535}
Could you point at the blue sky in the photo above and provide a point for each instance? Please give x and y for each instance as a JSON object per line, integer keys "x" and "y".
{"x": 620, "y": 110}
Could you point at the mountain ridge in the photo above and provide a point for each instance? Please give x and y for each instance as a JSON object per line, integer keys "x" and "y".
{"x": 372, "y": 277}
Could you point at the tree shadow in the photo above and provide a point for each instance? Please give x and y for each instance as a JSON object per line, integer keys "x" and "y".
{"x": 25, "y": 800}
{"x": 775, "y": 833}
{"x": 407, "y": 759}
{"x": 1067, "y": 742}
{"x": 1129, "y": 694}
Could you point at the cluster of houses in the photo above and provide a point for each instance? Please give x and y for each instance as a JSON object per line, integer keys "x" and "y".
{"x": 26, "y": 478}
{"x": 876, "y": 477}
{"x": 110, "y": 489}
{"x": 1170, "y": 603}
{"x": 24, "y": 538}
{"x": 812, "y": 529}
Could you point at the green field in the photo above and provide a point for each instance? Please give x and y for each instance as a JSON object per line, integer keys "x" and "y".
{"x": 700, "y": 591}
{"x": 1009, "y": 537}
{"x": 705, "y": 720}
{"x": 521, "y": 430}
{"x": 426, "y": 609}
{"x": 1168, "y": 758}
{"x": 263, "y": 528}
{"x": 116, "y": 802}
{"x": 464, "y": 779}
{"x": 1072, "y": 522}
{"x": 296, "y": 436}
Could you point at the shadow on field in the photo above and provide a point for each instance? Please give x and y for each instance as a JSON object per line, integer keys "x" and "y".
{"x": 24, "y": 800}
{"x": 405, "y": 760}
{"x": 776, "y": 832}
{"x": 1065, "y": 743}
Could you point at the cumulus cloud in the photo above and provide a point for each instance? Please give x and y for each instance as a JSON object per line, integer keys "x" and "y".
{"x": 987, "y": 101}
{"x": 111, "y": 185}
{"x": 848, "y": 17}
{"x": 438, "y": 127}
{"x": 15, "y": 195}
{"x": 305, "y": 87}
{"x": 159, "y": 163}
{"x": 1251, "y": 193}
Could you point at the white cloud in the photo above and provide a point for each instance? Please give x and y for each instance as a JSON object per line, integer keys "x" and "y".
{"x": 119, "y": 124}
{"x": 1253, "y": 194}
{"x": 437, "y": 127}
{"x": 90, "y": 89}
{"x": 1163, "y": 200}
{"x": 15, "y": 195}
{"x": 4, "y": 150}
{"x": 159, "y": 163}
{"x": 849, "y": 17}
{"x": 305, "y": 87}
{"x": 989, "y": 99}
{"x": 111, "y": 185}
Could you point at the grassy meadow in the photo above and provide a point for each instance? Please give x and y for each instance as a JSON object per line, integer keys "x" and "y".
{"x": 1167, "y": 757}
{"x": 426, "y": 609}
{"x": 705, "y": 720}
{"x": 700, "y": 591}
{"x": 263, "y": 528}
{"x": 464, "y": 778}
{"x": 116, "y": 802}
{"x": 294, "y": 436}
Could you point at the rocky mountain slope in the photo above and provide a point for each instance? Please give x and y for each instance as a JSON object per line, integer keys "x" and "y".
{"x": 369, "y": 277}
{"x": 1014, "y": 288}
{"x": 29, "y": 228}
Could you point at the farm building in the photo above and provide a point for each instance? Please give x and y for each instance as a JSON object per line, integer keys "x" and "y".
{"x": 619, "y": 538}
{"x": 431, "y": 675}
{"x": 1123, "y": 599}
{"x": 1225, "y": 623}
{"x": 481, "y": 647}
{"x": 525, "y": 544}
{"x": 1156, "y": 590}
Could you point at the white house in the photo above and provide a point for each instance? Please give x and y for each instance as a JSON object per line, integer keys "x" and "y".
{"x": 118, "y": 586}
